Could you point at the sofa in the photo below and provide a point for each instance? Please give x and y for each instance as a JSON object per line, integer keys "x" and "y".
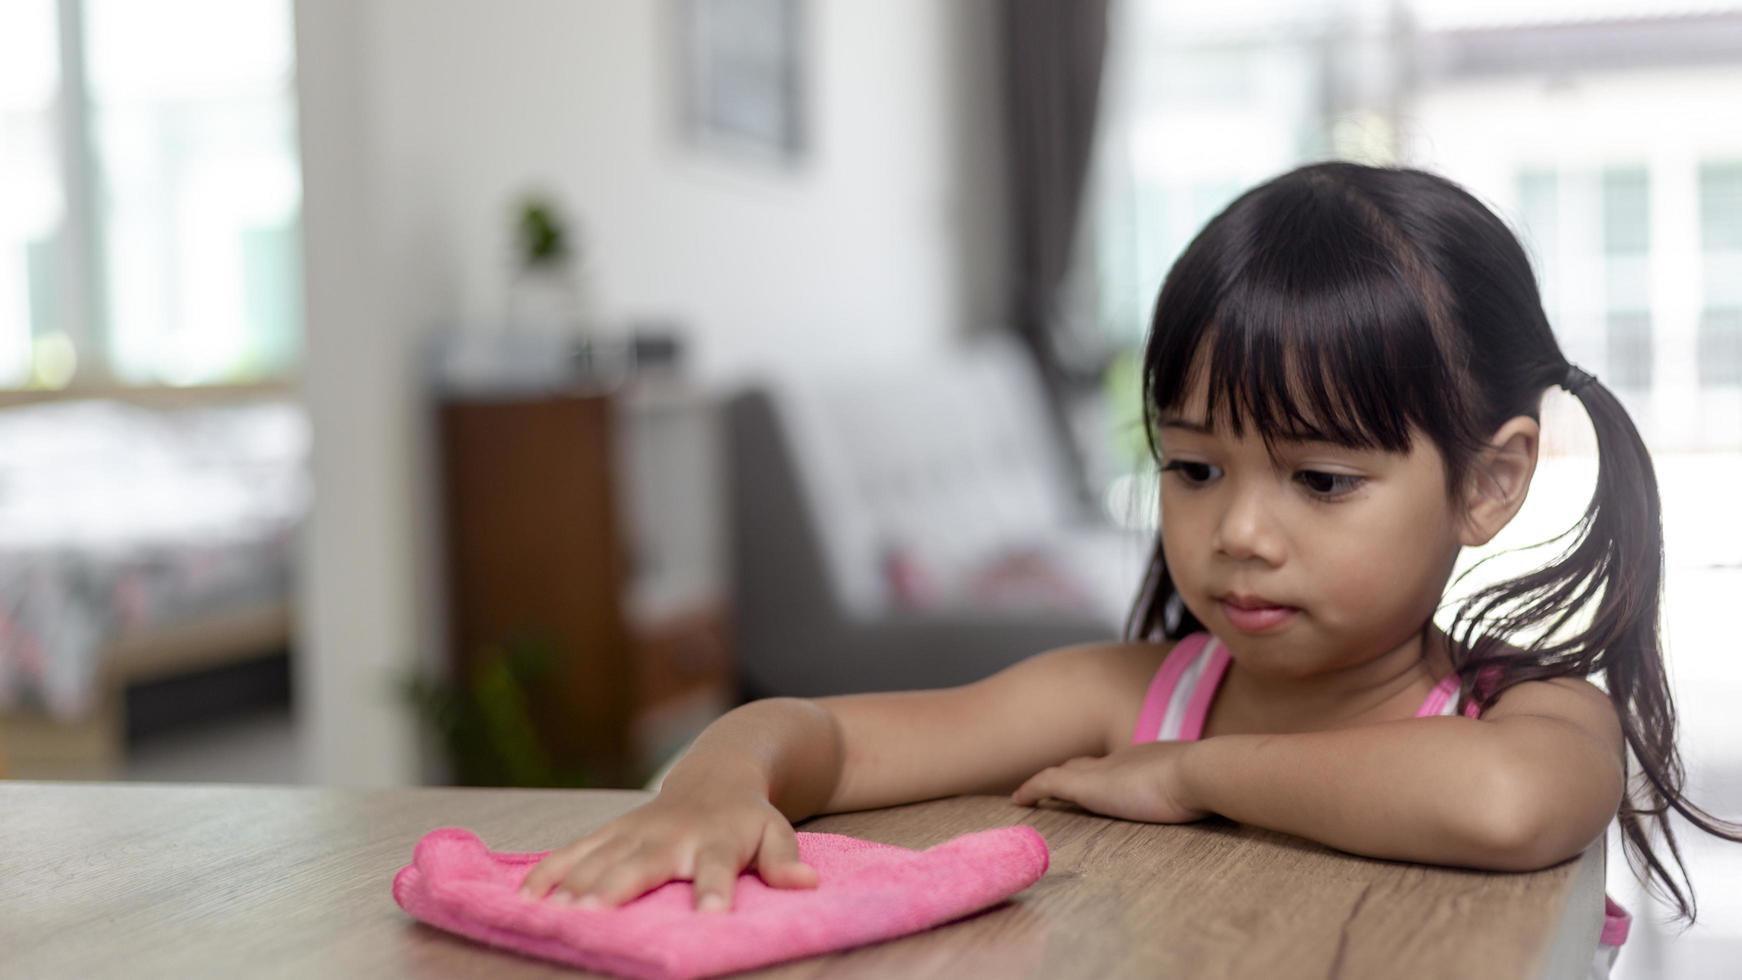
{"x": 912, "y": 526}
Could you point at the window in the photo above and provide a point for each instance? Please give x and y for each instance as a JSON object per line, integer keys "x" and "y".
{"x": 1539, "y": 209}
{"x": 1721, "y": 207}
{"x": 32, "y": 207}
{"x": 1626, "y": 213}
{"x": 150, "y": 197}
{"x": 1719, "y": 347}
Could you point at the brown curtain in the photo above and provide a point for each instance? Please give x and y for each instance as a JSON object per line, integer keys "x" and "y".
{"x": 1053, "y": 53}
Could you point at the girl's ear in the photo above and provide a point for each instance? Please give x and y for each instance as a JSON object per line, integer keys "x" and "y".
{"x": 1499, "y": 479}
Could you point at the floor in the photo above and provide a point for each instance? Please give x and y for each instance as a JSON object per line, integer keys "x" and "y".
{"x": 259, "y": 747}
{"x": 232, "y": 724}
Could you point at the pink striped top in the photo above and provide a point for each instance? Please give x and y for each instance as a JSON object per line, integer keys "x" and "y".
{"x": 1178, "y": 703}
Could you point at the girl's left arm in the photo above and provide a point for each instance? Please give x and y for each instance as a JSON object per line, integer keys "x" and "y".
{"x": 1531, "y": 784}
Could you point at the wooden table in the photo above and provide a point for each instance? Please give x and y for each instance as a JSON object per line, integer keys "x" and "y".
{"x": 148, "y": 880}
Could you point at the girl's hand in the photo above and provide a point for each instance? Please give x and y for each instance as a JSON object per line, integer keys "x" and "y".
{"x": 705, "y": 835}
{"x": 1138, "y": 782}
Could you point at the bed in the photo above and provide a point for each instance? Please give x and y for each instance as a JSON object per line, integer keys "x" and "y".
{"x": 140, "y": 537}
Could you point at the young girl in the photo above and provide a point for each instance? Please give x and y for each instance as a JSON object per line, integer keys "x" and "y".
{"x": 1342, "y": 384}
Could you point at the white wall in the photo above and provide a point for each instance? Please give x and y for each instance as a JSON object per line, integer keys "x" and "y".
{"x": 420, "y": 123}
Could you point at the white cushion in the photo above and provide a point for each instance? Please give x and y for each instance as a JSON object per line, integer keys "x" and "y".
{"x": 952, "y": 461}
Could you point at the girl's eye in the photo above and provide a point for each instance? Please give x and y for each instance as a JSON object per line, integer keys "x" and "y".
{"x": 1325, "y": 485}
{"x": 1328, "y": 484}
{"x": 1191, "y": 473}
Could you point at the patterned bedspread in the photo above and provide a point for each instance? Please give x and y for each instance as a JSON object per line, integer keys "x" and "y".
{"x": 115, "y": 517}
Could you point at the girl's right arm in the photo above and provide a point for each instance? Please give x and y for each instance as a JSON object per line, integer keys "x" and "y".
{"x": 731, "y": 801}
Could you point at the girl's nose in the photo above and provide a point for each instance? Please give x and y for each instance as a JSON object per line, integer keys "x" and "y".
{"x": 1247, "y": 529}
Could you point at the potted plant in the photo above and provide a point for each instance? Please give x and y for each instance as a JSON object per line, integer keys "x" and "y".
{"x": 545, "y": 291}
{"x": 486, "y": 724}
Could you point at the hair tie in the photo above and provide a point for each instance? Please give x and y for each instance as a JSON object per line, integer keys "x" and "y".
{"x": 1576, "y": 380}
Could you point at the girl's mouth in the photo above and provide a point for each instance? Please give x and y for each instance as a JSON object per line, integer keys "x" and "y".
{"x": 1263, "y": 619}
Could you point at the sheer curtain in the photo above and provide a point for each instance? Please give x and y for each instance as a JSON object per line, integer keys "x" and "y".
{"x": 1200, "y": 103}
{"x": 1604, "y": 133}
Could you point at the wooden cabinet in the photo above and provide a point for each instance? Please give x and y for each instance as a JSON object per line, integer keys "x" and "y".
{"x": 546, "y": 501}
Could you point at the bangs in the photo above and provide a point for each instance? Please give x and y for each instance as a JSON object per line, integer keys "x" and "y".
{"x": 1322, "y": 334}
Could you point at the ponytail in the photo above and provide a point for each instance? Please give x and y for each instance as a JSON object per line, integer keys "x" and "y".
{"x": 1614, "y": 567}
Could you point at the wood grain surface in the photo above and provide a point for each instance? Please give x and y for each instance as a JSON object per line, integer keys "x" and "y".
{"x": 142, "y": 880}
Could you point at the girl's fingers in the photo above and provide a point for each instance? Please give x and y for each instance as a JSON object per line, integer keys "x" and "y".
{"x": 581, "y": 878}
{"x": 556, "y": 865}
{"x": 605, "y": 871}
{"x": 777, "y": 859}
{"x": 639, "y": 873}
{"x": 1039, "y": 786}
{"x": 716, "y": 875}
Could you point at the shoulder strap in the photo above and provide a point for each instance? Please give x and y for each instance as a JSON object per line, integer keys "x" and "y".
{"x": 1183, "y": 661}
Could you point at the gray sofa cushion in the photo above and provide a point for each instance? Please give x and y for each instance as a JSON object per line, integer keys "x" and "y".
{"x": 952, "y": 462}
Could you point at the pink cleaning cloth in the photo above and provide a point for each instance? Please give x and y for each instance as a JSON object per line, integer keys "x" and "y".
{"x": 865, "y": 892}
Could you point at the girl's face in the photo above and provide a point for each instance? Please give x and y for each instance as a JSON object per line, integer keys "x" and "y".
{"x": 1356, "y": 545}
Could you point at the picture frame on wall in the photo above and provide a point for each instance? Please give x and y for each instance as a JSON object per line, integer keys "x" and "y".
{"x": 743, "y": 70}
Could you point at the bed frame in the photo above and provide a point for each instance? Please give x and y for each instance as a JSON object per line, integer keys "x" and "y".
{"x": 36, "y": 746}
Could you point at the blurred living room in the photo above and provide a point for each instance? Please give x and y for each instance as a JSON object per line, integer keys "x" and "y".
{"x": 474, "y": 393}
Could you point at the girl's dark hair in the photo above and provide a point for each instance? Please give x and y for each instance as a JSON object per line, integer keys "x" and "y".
{"x": 1354, "y": 304}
